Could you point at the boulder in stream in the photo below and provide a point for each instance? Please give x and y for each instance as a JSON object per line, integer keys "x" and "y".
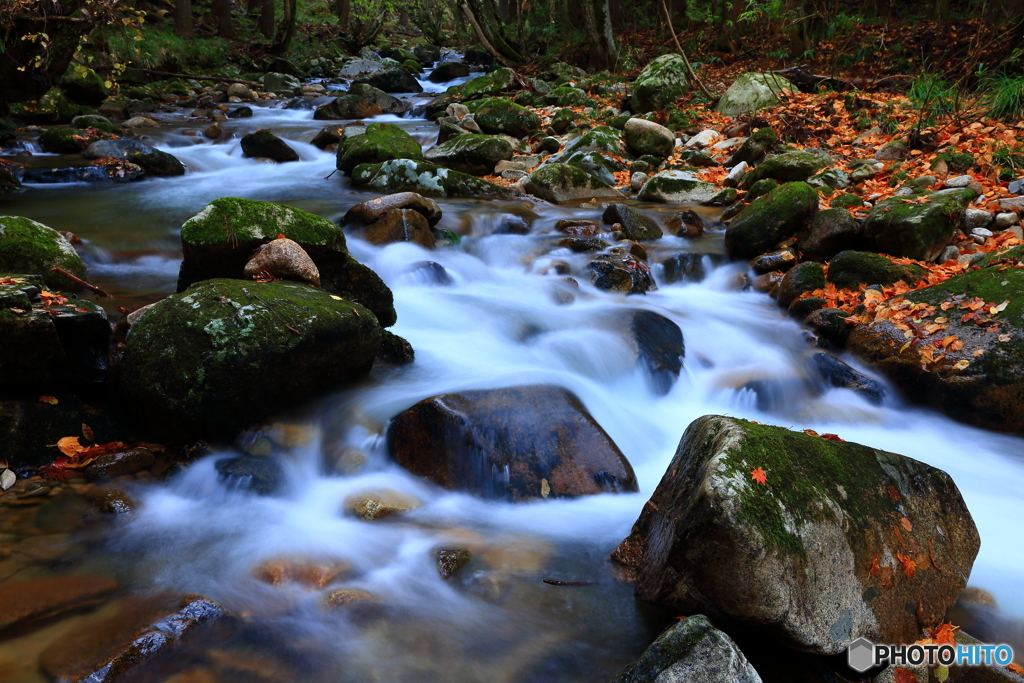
{"x": 636, "y": 225}
{"x": 265, "y": 145}
{"x": 402, "y": 225}
{"x": 660, "y": 349}
{"x": 770, "y": 219}
{"x": 283, "y": 259}
{"x": 152, "y": 161}
{"x": 371, "y": 211}
{"x": 472, "y": 154}
{"x": 219, "y": 241}
{"x": 799, "y": 538}
{"x": 381, "y": 142}
{"x": 519, "y": 443}
{"x": 32, "y": 248}
{"x": 425, "y": 178}
{"x": 392, "y": 81}
{"x": 225, "y": 353}
{"x": 691, "y": 650}
{"x": 498, "y": 116}
{"x": 448, "y": 71}
{"x": 622, "y": 273}
{"x": 562, "y": 183}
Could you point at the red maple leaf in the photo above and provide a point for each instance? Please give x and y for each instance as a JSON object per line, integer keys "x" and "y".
{"x": 759, "y": 476}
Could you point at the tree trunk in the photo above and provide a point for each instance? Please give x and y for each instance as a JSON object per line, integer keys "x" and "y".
{"x": 484, "y": 17}
{"x": 221, "y": 11}
{"x": 183, "y": 18}
{"x": 267, "y": 18}
{"x": 287, "y": 29}
{"x": 604, "y": 53}
{"x": 343, "y": 9}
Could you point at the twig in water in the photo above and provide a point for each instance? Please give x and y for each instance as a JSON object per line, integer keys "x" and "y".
{"x": 82, "y": 283}
{"x": 556, "y": 582}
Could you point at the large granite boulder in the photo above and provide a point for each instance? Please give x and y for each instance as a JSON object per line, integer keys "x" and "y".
{"x": 753, "y": 91}
{"x": 409, "y": 175}
{"x": 472, "y": 154}
{"x": 562, "y": 183}
{"x": 803, "y": 539}
{"x": 153, "y": 161}
{"x": 661, "y": 83}
{"x": 381, "y": 142}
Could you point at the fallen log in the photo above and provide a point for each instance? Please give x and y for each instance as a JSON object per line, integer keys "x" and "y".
{"x": 811, "y": 82}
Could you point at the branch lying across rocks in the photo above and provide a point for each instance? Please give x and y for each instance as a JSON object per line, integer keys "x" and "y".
{"x": 82, "y": 283}
{"x": 810, "y": 82}
{"x": 168, "y": 74}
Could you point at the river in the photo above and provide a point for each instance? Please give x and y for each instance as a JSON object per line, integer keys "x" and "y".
{"x": 497, "y": 325}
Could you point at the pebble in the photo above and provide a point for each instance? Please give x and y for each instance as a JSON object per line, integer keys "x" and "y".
{"x": 637, "y": 180}
{"x": 1006, "y": 220}
{"x": 737, "y": 172}
{"x": 729, "y": 144}
{"x": 980, "y": 235}
{"x": 1016, "y": 187}
{"x": 950, "y": 253}
{"x": 513, "y": 174}
{"x": 975, "y": 219}
{"x": 970, "y": 259}
{"x": 959, "y": 181}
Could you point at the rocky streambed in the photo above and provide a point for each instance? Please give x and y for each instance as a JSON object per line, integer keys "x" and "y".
{"x": 502, "y": 399}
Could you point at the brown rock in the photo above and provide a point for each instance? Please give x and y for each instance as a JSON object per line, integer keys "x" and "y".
{"x": 401, "y": 225}
{"x": 25, "y": 601}
{"x": 371, "y": 505}
{"x": 117, "y": 464}
{"x": 347, "y": 596}
{"x": 313, "y": 574}
{"x": 371, "y": 211}
{"x": 213, "y": 131}
{"x": 686, "y": 224}
{"x": 518, "y": 443}
{"x": 580, "y": 227}
{"x": 285, "y": 260}
{"x": 451, "y": 561}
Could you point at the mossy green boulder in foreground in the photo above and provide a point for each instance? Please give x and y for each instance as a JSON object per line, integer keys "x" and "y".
{"x": 788, "y": 167}
{"x": 430, "y": 180}
{"x": 850, "y": 269}
{"x": 691, "y": 650}
{"x": 211, "y": 360}
{"x": 219, "y": 240}
{"x": 770, "y": 219}
{"x": 488, "y": 85}
{"x": 834, "y": 545}
{"x": 980, "y": 383}
{"x": 502, "y": 117}
{"x": 380, "y": 142}
{"x": 661, "y": 83}
{"x": 561, "y": 183}
{"x": 32, "y": 248}
{"x": 901, "y": 226}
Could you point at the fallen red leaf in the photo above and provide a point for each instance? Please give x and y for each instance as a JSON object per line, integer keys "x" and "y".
{"x": 759, "y": 476}
{"x": 909, "y": 566}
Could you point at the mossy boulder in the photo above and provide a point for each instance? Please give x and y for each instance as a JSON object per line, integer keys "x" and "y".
{"x": 830, "y": 232}
{"x": 35, "y": 249}
{"x": 753, "y": 91}
{"x": 473, "y": 154}
{"x": 381, "y": 142}
{"x": 900, "y": 226}
{"x": 60, "y": 140}
{"x": 812, "y": 556}
{"x": 847, "y": 200}
{"x": 389, "y": 104}
{"x": 801, "y": 278}
{"x": 850, "y": 269}
{"x": 676, "y": 187}
{"x": 754, "y": 147}
{"x": 219, "y": 240}
{"x": 561, "y": 72}
{"x": 347, "y": 106}
{"x": 661, "y": 83}
{"x": 599, "y": 139}
{"x": 393, "y": 80}
{"x": 636, "y": 225}
{"x": 561, "y": 183}
{"x": 760, "y": 189}
{"x": 596, "y": 164}
{"x": 519, "y": 443}
{"x": 981, "y": 383}
{"x": 425, "y": 178}
{"x": 495, "y": 83}
{"x": 52, "y": 107}
{"x": 82, "y": 84}
{"x": 152, "y": 161}
{"x": 567, "y": 96}
{"x": 212, "y": 360}
{"x": 648, "y": 137}
{"x": 502, "y": 117}
{"x": 692, "y": 649}
{"x": 448, "y": 71}
{"x": 563, "y": 120}
{"x": 767, "y": 221}
{"x": 788, "y": 167}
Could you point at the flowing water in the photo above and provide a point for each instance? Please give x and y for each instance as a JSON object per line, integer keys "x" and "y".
{"x": 497, "y": 325}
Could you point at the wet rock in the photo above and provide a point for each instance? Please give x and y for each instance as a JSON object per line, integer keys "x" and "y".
{"x": 661, "y": 83}
{"x": 499, "y": 116}
{"x": 795, "y": 558}
{"x": 264, "y": 144}
{"x": 583, "y": 245}
{"x": 660, "y": 348}
{"x": 510, "y": 224}
{"x": 387, "y": 103}
{"x": 691, "y": 650}
{"x": 373, "y": 505}
{"x": 498, "y": 81}
{"x": 347, "y": 106}
{"x": 597, "y": 165}
{"x": 65, "y": 140}
{"x": 835, "y": 373}
{"x": 448, "y": 71}
{"x": 263, "y": 475}
{"x": 676, "y": 187}
{"x": 804, "y": 307}
{"x": 33, "y": 599}
{"x": 624, "y": 274}
{"x": 801, "y": 278}
{"x": 392, "y": 81}
{"x": 395, "y": 349}
{"x": 561, "y": 183}
{"x": 788, "y": 167}
{"x": 381, "y": 142}
{"x": 771, "y": 219}
{"x": 283, "y": 259}
{"x": 849, "y": 269}
{"x": 519, "y": 443}
{"x": 830, "y": 232}
{"x": 754, "y": 147}
{"x": 582, "y": 227}
{"x": 472, "y": 154}
{"x": 648, "y": 137}
{"x": 52, "y": 107}
{"x": 119, "y": 172}
{"x": 281, "y": 83}
{"x": 406, "y": 175}
{"x": 829, "y": 323}
{"x": 980, "y": 383}
{"x": 686, "y": 224}
{"x": 635, "y": 224}
{"x": 753, "y": 91}
{"x": 200, "y": 363}
{"x": 118, "y": 464}
{"x": 401, "y": 225}
{"x": 451, "y": 561}
{"x": 213, "y": 131}
{"x": 115, "y": 502}
{"x": 346, "y": 597}
{"x": 309, "y": 573}
{"x": 780, "y": 260}
{"x": 902, "y": 227}
{"x": 684, "y": 268}
{"x": 219, "y": 241}
{"x": 372, "y": 210}
{"x": 32, "y": 248}
{"x": 637, "y": 180}
{"x": 116, "y": 647}
{"x": 153, "y": 161}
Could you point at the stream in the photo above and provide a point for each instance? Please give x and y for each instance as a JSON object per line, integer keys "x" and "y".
{"x": 498, "y": 324}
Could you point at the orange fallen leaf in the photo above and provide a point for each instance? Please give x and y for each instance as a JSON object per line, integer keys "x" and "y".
{"x": 903, "y": 676}
{"x": 893, "y": 493}
{"x": 908, "y": 564}
{"x": 874, "y": 568}
{"x": 87, "y": 433}
{"x": 69, "y": 445}
{"x": 1014, "y": 668}
{"x": 944, "y": 634}
{"x": 759, "y": 476}
{"x": 906, "y": 524}
{"x": 831, "y": 437}
{"x": 48, "y": 399}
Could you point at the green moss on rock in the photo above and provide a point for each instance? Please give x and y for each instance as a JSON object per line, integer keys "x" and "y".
{"x": 472, "y": 154}
{"x": 788, "y": 167}
{"x": 561, "y": 182}
{"x": 769, "y": 220}
{"x": 33, "y": 248}
{"x": 902, "y": 227}
{"x": 381, "y": 142}
{"x": 431, "y": 180}
{"x": 499, "y": 116}
{"x": 850, "y": 269}
{"x": 487, "y": 85}
{"x": 661, "y": 83}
